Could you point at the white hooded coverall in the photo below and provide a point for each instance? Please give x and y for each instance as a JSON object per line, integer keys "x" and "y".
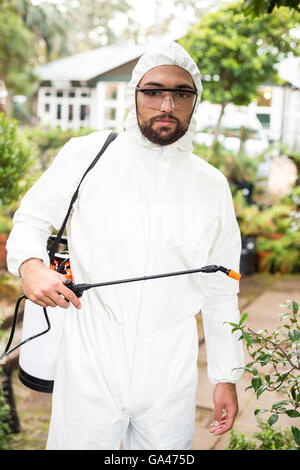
{"x": 127, "y": 367}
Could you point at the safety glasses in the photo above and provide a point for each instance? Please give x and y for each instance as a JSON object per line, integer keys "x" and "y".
{"x": 155, "y": 98}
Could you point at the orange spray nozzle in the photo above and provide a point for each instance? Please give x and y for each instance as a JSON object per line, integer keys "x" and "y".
{"x": 234, "y": 275}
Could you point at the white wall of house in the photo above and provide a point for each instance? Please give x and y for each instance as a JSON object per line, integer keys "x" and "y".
{"x": 101, "y": 107}
{"x": 64, "y": 106}
{"x": 109, "y": 106}
{"x": 279, "y": 112}
{"x": 291, "y": 118}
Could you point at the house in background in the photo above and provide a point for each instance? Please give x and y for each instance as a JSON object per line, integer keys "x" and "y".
{"x": 278, "y": 106}
{"x": 88, "y": 90}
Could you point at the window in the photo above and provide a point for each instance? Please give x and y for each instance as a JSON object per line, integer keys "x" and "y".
{"x": 264, "y": 119}
{"x": 71, "y": 94}
{"x": 111, "y": 91}
{"x": 85, "y": 94}
{"x": 265, "y": 97}
{"x": 58, "y": 112}
{"x": 59, "y": 94}
{"x": 70, "y": 112}
{"x": 110, "y": 114}
{"x": 47, "y": 108}
{"x": 48, "y": 93}
{"x": 84, "y": 111}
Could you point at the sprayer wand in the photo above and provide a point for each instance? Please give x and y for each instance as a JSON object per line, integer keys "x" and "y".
{"x": 78, "y": 289}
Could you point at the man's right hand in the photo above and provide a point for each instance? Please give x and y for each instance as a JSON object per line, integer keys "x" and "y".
{"x": 44, "y": 286}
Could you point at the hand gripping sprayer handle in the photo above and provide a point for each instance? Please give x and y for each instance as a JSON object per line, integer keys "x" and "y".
{"x": 74, "y": 287}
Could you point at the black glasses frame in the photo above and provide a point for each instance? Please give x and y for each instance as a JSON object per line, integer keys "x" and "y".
{"x": 182, "y": 90}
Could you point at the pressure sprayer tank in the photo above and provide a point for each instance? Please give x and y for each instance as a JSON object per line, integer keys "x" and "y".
{"x": 38, "y": 358}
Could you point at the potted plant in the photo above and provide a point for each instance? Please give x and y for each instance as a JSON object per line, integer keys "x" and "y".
{"x": 278, "y": 241}
{"x": 247, "y": 219}
{"x": 279, "y": 255}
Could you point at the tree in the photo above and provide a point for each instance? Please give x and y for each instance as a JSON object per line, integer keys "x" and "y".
{"x": 260, "y": 7}
{"x": 66, "y": 27}
{"x": 51, "y": 27}
{"x": 236, "y": 54}
{"x": 97, "y": 26}
{"x": 17, "y": 54}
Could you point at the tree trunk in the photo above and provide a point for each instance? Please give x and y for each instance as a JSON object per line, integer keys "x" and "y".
{"x": 218, "y": 126}
{"x": 9, "y": 103}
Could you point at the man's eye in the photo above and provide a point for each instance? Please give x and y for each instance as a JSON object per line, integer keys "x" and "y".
{"x": 182, "y": 95}
{"x": 152, "y": 93}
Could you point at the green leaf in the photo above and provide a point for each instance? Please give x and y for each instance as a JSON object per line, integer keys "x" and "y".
{"x": 243, "y": 318}
{"x": 256, "y": 383}
{"x": 258, "y": 412}
{"x": 295, "y": 307}
{"x": 252, "y": 370}
{"x": 234, "y": 330}
{"x": 285, "y": 315}
{"x": 292, "y": 413}
{"x": 279, "y": 404}
{"x": 294, "y": 335}
{"x": 296, "y": 434}
{"x": 260, "y": 390}
{"x": 293, "y": 392}
{"x": 235, "y": 325}
{"x": 247, "y": 337}
{"x": 273, "y": 418}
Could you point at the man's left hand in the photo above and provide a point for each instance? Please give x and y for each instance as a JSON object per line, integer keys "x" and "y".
{"x": 225, "y": 400}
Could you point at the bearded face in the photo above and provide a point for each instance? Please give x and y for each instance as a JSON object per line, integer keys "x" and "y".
{"x": 164, "y": 125}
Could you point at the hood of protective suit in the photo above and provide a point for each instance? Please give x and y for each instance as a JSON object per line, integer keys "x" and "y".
{"x": 162, "y": 53}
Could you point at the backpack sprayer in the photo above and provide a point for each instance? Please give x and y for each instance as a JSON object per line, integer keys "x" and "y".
{"x": 37, "y": 361}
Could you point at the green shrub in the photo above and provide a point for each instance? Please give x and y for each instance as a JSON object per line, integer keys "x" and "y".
{"x": 279, "y": 352}
{"x": 5, "y": 430}
{"x": 236, "y": 167}
{"x": 270, "y": 439}
{"x": 15, "y": 160}
{"x": 50, "y": 140}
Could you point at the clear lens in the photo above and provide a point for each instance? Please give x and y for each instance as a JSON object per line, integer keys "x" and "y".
{"x": 180, "y": 100}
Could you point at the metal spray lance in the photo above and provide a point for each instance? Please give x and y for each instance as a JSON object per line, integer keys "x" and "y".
{"x": 78, "y": 290}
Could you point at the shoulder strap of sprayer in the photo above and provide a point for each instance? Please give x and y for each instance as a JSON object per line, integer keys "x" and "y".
{"x": 56, "y": 243}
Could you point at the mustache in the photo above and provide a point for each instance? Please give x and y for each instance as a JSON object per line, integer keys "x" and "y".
{"x": 163, "y": 117}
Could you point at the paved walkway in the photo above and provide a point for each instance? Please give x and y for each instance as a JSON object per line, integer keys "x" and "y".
{"x": 261, "y": 296}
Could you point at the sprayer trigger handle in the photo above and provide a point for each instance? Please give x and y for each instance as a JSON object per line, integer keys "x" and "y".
{"x": 74, "y": 288}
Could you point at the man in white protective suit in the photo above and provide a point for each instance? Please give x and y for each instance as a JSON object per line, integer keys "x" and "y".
{"x": 127, "y": 368}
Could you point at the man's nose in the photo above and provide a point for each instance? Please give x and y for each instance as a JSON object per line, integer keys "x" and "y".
{"x": 167, "y": 105}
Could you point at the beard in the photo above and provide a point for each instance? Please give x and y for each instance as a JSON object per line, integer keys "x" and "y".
{"x": 163, "y": 135}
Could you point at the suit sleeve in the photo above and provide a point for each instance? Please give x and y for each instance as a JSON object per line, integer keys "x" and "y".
{"x": 220, "y": 304}
{"x": 45, "y": 205}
